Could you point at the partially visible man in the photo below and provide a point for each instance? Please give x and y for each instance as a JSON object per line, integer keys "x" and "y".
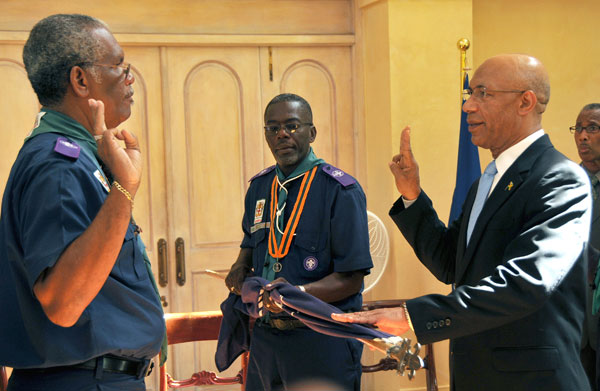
{"x": 305, "y": 222}
{"x": 80, "y": 307}
{"x": 587, "y": 138}
{"x": 516, "y": 256}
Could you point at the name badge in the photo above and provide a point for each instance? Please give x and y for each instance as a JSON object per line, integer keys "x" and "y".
{"x": 102, "y": 180}
{"x": 259, "y": 211}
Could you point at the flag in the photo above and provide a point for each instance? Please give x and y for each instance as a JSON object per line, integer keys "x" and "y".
{"x": 467, "y": 165}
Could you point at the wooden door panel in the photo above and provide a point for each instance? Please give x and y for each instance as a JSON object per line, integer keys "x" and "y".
{"x": 323, "y": 76}
{"x": 214, "y": 145}
{"x": 146, "y": 122}
{"x": 18, "y": 107}
{"x": 214, "y": 154}
{"x": 212, "y": 108}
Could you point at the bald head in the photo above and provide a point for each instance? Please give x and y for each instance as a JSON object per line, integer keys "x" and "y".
{"x": 510, "y": 93}
{"x": 523, "y": 72}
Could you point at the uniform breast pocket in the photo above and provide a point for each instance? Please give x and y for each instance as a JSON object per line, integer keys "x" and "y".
{"x": 311, "y": 252}
{"x": 130, "y": 265}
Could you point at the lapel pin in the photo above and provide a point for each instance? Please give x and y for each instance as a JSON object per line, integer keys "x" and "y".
{"x": 509, "y": 186}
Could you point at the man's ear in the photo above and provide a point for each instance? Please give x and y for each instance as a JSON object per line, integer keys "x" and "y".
{"x": 79, "y": 81}
{"x": 313, "y": 133}
{"x": 527, "y": 102}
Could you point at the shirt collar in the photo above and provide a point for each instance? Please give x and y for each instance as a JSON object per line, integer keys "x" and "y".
{"x": 509, "y": 156}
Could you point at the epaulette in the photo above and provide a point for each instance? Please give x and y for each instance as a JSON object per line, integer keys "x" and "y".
{"x": 339, "y": 175}
{"x": 67, "y": 148}
{"x": 263, "y": 172}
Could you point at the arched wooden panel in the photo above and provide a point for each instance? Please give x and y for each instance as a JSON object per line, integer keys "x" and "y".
{"x": 311, "y": 80}
{"x": 138, "y": 124}
{"x": 214, "y": 152}
{"x": 18, "y": 109}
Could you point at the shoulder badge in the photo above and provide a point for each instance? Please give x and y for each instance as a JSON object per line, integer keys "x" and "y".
{"x": 264, "y": 171}
{"x": 339, "y": 175}
{"x": 67, "y": 148}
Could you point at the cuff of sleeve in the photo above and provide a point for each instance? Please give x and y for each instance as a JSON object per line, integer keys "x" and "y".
{"x": 407, "y": 316}
{"x": 408, "y": 203}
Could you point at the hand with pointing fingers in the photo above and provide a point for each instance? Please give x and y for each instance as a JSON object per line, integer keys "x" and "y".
{"x": 405, "y": 169}
{"x": 125, "y": 164}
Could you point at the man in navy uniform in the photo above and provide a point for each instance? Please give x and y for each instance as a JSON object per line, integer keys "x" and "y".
{"x": 586, "y": 133}
{"x": 305, "y": 223}
{"x": 79, "y": 301}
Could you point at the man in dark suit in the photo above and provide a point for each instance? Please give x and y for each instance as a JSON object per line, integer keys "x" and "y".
{"x": 515, "y": 315}
{"x": 587, "y": 138}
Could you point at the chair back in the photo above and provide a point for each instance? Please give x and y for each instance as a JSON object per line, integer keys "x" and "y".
{"x": 3, "y": 379}
{"x": 192, "y": 327}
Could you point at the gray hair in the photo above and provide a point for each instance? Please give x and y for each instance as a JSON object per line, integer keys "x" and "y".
{"x": 55, "y": 45}
{"x": 590, "y": 107}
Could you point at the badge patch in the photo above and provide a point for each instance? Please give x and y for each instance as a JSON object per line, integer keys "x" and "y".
{"x": 310, "y": 263}
{"x": 67, "y": 148}
{"x": 259, "y": 211}
{"x": 102, "y": 180}
{"x": 337, "y": 173}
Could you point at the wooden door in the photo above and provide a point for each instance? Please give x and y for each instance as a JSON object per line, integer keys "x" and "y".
{"x": 146, "y": 122}
{"x": 216, "y": 99}
{"x": 214, "y": 145}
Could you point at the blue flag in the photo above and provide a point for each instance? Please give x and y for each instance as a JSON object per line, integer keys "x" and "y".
{"x": 467, "y": 166}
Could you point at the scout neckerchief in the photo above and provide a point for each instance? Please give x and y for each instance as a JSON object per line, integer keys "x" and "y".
{"x": 50, "y": 121}
{"x": 279, "y": 239}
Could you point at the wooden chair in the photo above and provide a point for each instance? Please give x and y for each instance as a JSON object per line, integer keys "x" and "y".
{"x": 203, "y": 326}
{"x": 388, "y": 364}
{"x": 197, "y": 326}
{"x": 3, "y": 379}
{"x": 186, "y": 327}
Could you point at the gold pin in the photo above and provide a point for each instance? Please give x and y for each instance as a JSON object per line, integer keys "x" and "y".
{"x": 509, "y": 186}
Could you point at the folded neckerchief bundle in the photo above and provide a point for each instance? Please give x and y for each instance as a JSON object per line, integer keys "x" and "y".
{"x": 234, "y": 336}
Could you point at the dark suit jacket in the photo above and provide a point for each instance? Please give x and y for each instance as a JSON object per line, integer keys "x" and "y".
{"x": 590, "y": 332}
{"x": 516, "y": 313}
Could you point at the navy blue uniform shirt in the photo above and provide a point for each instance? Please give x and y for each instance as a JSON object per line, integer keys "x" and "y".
{"x": 332, "y": 235}
{"x": 50, "y": 199}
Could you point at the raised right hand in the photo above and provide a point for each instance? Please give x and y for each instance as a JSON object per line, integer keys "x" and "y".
{"x": 405, "y": 169}
{"x": 125, "y": 164}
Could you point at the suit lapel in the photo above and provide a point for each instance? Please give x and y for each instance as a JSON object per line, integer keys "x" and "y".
{"x": 507, "y": 186}
{"x": 595, "y": 210}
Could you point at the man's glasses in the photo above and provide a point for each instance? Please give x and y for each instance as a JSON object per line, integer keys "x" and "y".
{"x": 290, "y": 128}
{"x": 480, "y": 93}
{"x": 590, "y": 129}
{"x": 126, "y": 67}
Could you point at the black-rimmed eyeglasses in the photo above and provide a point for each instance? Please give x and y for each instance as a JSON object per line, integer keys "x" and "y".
{"x": 590, "y": 129}
{"x": 290, "y": 128}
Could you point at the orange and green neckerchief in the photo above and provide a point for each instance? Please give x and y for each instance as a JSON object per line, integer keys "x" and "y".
{"x": 280, "y": 239}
